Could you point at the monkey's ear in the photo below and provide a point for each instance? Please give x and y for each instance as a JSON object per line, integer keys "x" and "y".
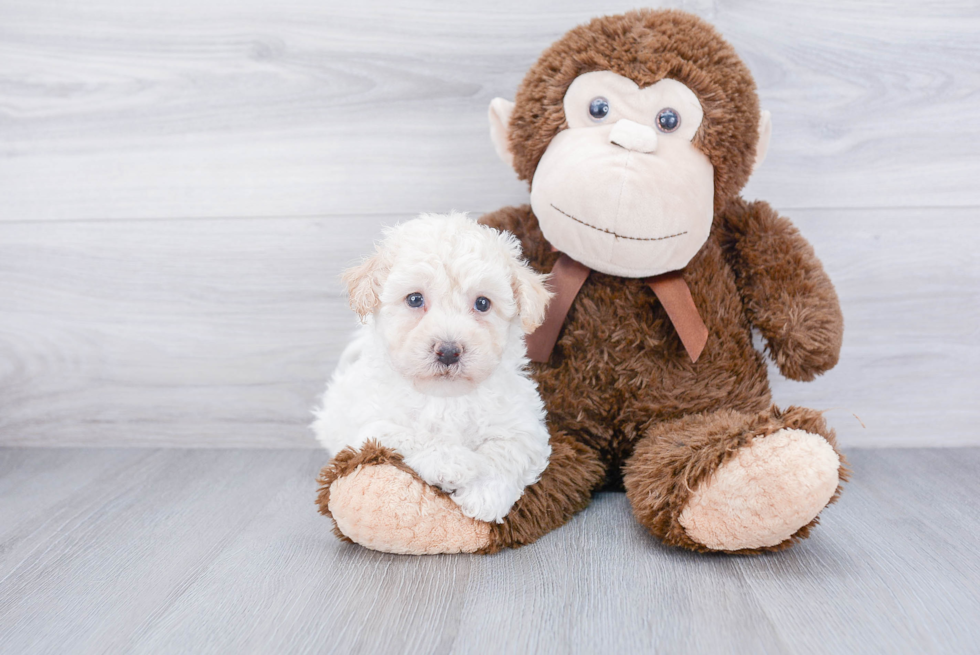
{"x": 364, "y": 282}
{"x": 532, "y": 296}
{"x": 500, "y": 111}
{"x": 762, "y": 146}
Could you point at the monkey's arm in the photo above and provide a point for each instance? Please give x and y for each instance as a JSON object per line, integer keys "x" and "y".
{"x": 784, "y": 288}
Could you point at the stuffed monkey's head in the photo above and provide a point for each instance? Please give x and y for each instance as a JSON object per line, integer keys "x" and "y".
{"x": 632, "y": 130}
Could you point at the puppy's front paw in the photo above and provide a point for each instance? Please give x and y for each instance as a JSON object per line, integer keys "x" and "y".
{"x": 488, "y": 501}
{"x": 441, "y": 469}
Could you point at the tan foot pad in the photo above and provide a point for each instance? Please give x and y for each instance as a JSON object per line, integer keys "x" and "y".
{"x": 765, "y": 493}
{"x": 385, "y": 508}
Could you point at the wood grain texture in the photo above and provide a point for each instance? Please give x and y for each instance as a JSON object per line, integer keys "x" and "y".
{"x": 223, "y": 552}
{"x": 223, "y": 332}
{"x": 270, "y": 142}
{"x": 303, "y": 107}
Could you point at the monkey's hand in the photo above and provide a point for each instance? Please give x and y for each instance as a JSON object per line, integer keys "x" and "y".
{"x": 784, "y": 289}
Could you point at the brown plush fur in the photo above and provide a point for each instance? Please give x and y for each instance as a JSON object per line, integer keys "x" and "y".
{"x": 785, "y": 292}
{"x": 621, "y": 392}
{"x": 619, "y": 370}
{"x": 619, "y": 379}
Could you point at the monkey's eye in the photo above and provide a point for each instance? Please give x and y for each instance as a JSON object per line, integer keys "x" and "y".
{"x": 668, "y": 120}
{"x": 415, "y": 299}
{"x": 482, "y": 304}
{"x": 599, "y": 108}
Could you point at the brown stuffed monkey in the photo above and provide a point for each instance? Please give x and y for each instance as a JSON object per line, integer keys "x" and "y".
{"x": 637, "y": 133}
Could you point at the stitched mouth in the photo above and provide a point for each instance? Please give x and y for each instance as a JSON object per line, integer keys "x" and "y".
{"x": 618, "y": 236}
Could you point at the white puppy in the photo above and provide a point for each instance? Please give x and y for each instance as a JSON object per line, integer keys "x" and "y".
{"x": 437, "y": 372}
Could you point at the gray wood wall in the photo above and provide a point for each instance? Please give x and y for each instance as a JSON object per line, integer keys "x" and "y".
{"x": 181, "y": 183}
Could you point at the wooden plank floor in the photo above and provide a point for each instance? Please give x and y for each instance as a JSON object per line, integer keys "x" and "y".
{"x": 165, "y": 551}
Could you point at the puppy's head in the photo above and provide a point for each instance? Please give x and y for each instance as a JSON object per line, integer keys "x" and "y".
{"x": 450, "y": 299}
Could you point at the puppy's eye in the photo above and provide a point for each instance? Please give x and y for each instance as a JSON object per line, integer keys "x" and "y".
{"x": 482, "y": 304}
{"x": 415, "y": 299}
{"x": 598, "y": 108}
{"x": 668, "y": 120}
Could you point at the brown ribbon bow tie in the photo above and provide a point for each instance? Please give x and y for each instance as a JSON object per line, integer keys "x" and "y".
{"x": 567, "y": 278}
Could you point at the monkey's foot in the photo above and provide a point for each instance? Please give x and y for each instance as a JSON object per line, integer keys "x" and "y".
{"x": 735, "y": 482}
{"x": 377, "y": 501}
{"x": 765, "y": 494}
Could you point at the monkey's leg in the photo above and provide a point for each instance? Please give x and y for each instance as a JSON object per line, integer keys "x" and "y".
{"x": 377, "y": 501}
{"x": 726, "y": 481}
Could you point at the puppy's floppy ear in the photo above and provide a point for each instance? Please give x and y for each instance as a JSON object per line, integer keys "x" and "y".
{"x": 364, "y": 283}
{"x": 532, "y": 296}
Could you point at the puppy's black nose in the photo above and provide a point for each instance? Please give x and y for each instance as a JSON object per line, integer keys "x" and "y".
{"x": 448, "y": 353}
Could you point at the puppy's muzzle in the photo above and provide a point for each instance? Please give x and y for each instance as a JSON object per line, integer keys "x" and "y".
{"x": 448, "y": 352}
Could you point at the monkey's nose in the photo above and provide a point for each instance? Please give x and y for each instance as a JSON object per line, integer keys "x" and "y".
{"x": 448, "y": 353}
{"x": 633, "y": 136}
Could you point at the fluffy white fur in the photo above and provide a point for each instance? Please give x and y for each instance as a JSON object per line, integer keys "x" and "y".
{"x": 476, "y": 427}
